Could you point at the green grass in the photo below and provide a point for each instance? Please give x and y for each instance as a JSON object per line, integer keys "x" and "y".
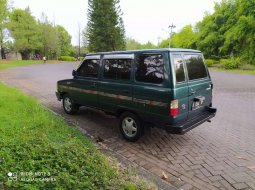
{"x": 6, "y": 64}
{"x": 33, "y": 139}
{"x": 251, "y": 72}
{"x": 17, "y": 63}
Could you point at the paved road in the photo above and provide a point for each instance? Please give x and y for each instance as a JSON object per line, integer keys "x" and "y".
{"x": 217, "y": 155}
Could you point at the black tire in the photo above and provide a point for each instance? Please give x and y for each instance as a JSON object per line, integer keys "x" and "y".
{"x": 69, "y": 106}
{"x": 130, "y": 126}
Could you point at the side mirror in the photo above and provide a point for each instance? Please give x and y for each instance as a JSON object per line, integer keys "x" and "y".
{"x": 74, "y": 73}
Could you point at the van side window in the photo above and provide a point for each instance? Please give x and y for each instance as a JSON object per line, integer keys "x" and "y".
{"x": 117, "y": 69}
{"x": 195, "y": 66}
{"x": 150, "y": 68}
{"x": 89, "y": 68}
{"x": 179, "y": 69}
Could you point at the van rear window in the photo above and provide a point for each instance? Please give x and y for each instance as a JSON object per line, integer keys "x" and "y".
{"x": 195, "y": 66}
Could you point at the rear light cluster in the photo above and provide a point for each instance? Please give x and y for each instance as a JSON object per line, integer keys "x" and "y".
{"x": 174, "y": 108}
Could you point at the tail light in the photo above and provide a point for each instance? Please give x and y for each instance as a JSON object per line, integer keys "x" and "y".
{"x": 174, "y": 110}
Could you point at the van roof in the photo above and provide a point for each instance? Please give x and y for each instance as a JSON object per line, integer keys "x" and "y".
{"x": 148, "y": 50}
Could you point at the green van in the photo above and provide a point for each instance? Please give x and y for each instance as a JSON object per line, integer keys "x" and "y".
{"x": 166, "y": 88}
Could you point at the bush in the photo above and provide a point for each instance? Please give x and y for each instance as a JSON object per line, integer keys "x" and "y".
{"x": 232, "y": 63}
{"x": 210, "y": 62}
{"x": 81, "y": 58}
{"x": 214, "y": 57}
{"x": 66, "y": 58}
{"x": 247, "y": 67}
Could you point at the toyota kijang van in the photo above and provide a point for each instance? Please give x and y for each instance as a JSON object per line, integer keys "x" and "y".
{"x": 166, "y": 88}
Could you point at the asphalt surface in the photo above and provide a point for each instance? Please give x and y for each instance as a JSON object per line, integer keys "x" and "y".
{"x": 216, "y": 155}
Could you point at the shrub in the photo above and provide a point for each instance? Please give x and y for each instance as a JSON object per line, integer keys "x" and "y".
{"x": 232, "y": 63}
{"x": 214, "y": 57}
{"x": 210, "y": 62}
{"x": 66, "y": 58}
{"x": 247, "y": 67}
{"x": 81, "y": 58}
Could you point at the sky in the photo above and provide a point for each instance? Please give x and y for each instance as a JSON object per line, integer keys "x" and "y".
{"x": 144, "y": 20}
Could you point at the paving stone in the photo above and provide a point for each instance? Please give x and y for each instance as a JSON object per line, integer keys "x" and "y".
{"x": 215, "y": 178}
{"x": 240, "y": 186}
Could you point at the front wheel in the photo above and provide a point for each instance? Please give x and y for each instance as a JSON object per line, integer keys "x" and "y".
{"x": 69, "y": 106}
{"x": 130, "y": 126}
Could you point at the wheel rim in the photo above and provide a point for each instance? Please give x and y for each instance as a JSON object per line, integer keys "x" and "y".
{"x": 68, "y": 104}
{"x": 129, "y": 126}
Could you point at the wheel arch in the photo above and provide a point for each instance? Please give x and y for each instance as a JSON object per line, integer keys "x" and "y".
{"x": 62, "y": 94}
{"x": 120, "y": 111}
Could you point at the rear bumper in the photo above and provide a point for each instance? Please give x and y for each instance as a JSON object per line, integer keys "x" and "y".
{"x": 181, "y": 129}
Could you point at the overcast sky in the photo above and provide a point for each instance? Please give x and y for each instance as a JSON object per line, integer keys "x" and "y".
{"x": 144, "y": 19}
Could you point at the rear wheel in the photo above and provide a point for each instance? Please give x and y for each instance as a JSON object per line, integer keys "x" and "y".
{"x": 69, "y": 106}
{"x": 130, "y": 126}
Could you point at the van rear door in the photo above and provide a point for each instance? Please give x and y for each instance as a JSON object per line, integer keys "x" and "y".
{"x": 199, "y": 82}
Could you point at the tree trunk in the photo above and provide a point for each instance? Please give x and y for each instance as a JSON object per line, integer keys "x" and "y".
{"x": 25, "y": 55}
{"x": 2, "y": 52}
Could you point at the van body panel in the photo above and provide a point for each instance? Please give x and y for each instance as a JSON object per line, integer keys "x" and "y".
{"x": 88, "y": 91}
{"x": 152, "y": 102}
{"x": 113, "y": 95}
{"x": 82, "y": 91}
{"x": 180, "y": 94}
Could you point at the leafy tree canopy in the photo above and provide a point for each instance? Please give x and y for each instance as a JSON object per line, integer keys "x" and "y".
{"x": 105, "y": 28}
{"x": 4, "y": 12}
{"x": 24, "y": 30}
{"x": 228, "y": 31}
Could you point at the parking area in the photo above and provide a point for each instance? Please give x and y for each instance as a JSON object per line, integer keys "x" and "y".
{"x": 216, "y": 155}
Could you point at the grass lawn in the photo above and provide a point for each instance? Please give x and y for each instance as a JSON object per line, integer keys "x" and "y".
{"x": 5, "y": 64}
{"x": 251, "y": 72}
{"x": 43, "y": 152}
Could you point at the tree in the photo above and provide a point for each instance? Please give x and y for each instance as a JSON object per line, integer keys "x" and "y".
{"x": 185, "y": 38}
{"x": 24, "y": 30}
{"x": 164, "y": 43}
{"x": 56, "y": 41}
{"x": 3, "y": 19}
{"x": 209, "y": 39}
{"x": 48, "y": 37}
{"x": 229, "y": 31}
{"x": 132, "y": 44}
{"x": 148, "y": 45}
{"x": 64, "y": 46}
{"x": 105, "y": 28}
